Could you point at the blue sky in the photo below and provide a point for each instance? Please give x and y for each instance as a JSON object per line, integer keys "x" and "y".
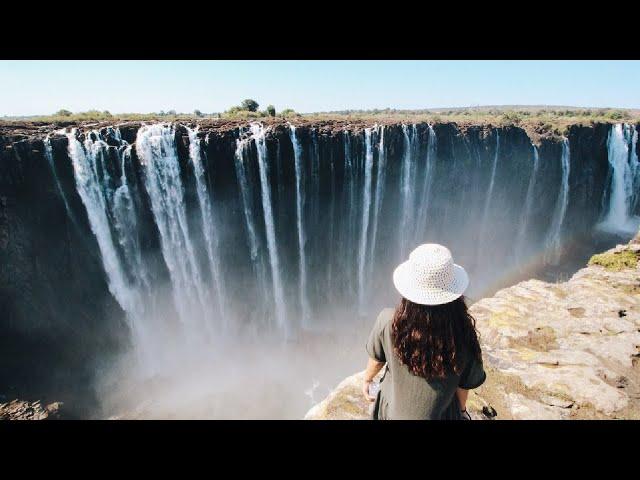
{"x": 41, "y": 87}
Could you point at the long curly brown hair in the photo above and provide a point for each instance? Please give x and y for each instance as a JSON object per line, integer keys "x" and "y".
{"x": 432, "y": 340}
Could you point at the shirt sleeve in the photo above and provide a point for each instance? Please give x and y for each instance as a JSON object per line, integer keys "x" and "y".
{"x": 473, "y": 374}
{"x": 375, "y": 343}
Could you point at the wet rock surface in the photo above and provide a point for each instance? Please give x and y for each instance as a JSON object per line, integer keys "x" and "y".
{"x": 551, "y": 350}
{"x": 23, "y": 410}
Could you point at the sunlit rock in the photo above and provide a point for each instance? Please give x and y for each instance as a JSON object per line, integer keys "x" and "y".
{"x": 553, "y": 351}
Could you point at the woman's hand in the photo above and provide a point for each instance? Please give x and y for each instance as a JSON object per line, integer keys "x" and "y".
{"x": 373, "y": 367}
{"x": 365, "y": 390}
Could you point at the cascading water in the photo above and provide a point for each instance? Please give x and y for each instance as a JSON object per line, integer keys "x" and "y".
{"x": 87, "y": 171}
{"x": 554, "y": 237}
{"x": 155, "y": 146}
{"x": 380, "y": 181}
{"x": 258, "y": 135}
{"x": 125, "y": 222}
{"x": 623, "y": 161}
{"x": 330, "y": 285}
{"x": 249, "y": 209}
{"x": 350, "y": 226}
{"x": 635, "y": 170}
{"x": 427, "y": 182}
{"x": 366, "y": 202}
{"x": 407, "y": 183}
{"x": 126, "y": 274}
{"x": 528, "y": 203}
{"x": 208, "y": 222}
{"x": 489, "y": 195}
{"x": 48, "y": 153}
{"x": 323, "y": 222}
{"x": 302, "y": 260}
{"x": 247, "y": 200}
{"x": 315, "y": 178}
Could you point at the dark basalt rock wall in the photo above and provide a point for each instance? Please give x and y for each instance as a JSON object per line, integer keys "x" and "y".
{"x": 59, "y": 322}
{"x": 57, "y": 316}
{"x": 588, "y": 178}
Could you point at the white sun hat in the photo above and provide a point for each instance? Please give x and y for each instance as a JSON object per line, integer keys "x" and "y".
{"x": 430, "y": 277}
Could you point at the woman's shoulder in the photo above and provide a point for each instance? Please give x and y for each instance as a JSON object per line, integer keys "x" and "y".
{"x": 385, "y": 317}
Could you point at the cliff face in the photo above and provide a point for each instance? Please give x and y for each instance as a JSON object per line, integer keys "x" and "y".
{"x": 57, "y": 313}
{"x": 363, "y": 194}
{"x": 551, "y": 350}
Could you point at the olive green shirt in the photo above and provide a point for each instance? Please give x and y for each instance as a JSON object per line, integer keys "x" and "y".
{"x": 405, "y": 396}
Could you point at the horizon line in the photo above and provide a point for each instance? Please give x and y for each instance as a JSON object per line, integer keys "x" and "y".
{"x": 361, "y": 110}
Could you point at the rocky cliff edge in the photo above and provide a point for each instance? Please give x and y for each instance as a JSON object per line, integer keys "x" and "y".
{"x": 551, "y": 350}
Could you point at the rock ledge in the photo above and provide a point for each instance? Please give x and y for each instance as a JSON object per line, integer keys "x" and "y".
{"x": 23, "y": 410}
{"x": 552, "y": 351}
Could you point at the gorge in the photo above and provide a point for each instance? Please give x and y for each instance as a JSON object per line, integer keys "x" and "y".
{"x": 197, "y": 270}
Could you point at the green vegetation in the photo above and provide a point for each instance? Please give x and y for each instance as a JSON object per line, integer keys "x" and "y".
{"x": 288, "y": 112}
{"x": 616, "y": 261}
{"x": 538, "y": 121}
{"x": 552, "y": 119}
{"x": 248, "y": 109}
{"x": 511, "y": 118}
{"x": 98, "y": 116}
{"x": 250, "y": 105}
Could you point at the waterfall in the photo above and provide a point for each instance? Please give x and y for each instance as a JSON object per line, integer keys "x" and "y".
{"x": 258, "y": 134}
{"x": 380, "y": 180}
{"x": 487, "y": 202}
{"x": 247, "y": 200}
{"x": 332, "y": 212}
{"x": 528, "y": 203}
{"x": 208, "y": 221}
{"x": 407, "y": 181}
{"x": 125, "y": 223}
{"x": 492, "y": 181}
{"x": 366, "y": 201}
{"x": 360, "y": 213}
{"x": 246, "y": 196}
{"x": 350, "y": 240}
{"x": 554, "y": 237}
{"x": 635, "y": 169}
{"x": 302, "y": 261}
{"x": 427, "y": 182}
{"x": 623, "y": 163}
{"x": 113, "y": 220}
{"x": 156, "y": 149}
{"x": 315, "y": 178}
{"x": 48, "y": 153}
{"x": 85, "y": 160}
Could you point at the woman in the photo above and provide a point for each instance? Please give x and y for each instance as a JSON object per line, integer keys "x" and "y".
{"x": 429, "y": 342}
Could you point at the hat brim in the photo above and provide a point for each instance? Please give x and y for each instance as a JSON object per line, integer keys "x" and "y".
{"x": 435, "y": 296}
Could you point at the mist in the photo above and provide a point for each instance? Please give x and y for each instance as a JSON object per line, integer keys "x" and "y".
{"x": 250, "y": 264}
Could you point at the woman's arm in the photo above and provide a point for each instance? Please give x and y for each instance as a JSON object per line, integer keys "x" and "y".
{"x": 373, "y": 367}
{"x": 462, "y": 395}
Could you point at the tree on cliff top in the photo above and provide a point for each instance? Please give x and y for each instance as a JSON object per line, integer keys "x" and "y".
{"x": 250, "y": 105}
{"x": 64, "y": 113}
{"x": 288, "y": 112}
